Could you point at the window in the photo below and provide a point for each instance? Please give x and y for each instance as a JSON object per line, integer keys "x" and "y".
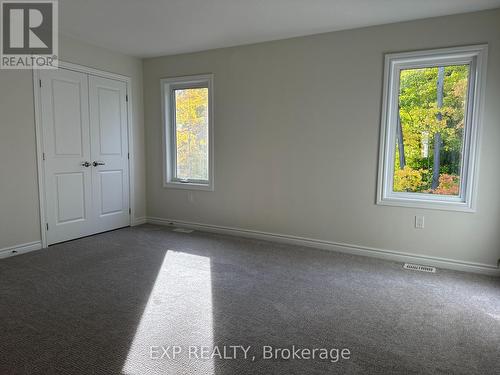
{"x": 430, "y": 128}
{"x": 188, "y": 137}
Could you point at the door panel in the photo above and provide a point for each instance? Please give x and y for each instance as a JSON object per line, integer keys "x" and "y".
{"x": 109, "y": 144}
{"x": 109, "y": 116}
{"x": 111, "y": 198}
{"x": 66, "y": 138}
{"x": 66, "y": 97}
{"x": 70, "y": 197}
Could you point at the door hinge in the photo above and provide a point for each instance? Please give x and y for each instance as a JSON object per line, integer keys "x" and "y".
{"x": 43, "y": 156}
{"x": 126, "y": 98}
{"x": 130, "y": 211}
{"x": 128, "y": 156}
{"x": 47, "y": 226}
{"x": 40, "y": 82}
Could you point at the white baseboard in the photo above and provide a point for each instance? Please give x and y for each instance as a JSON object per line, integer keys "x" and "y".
{"x": 20, "y": 249}
{"x": 138, "y": 221}
{"x": 337, "y": 246}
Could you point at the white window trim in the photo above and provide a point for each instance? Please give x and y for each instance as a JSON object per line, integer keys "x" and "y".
{"x": 167, "y": 86}
{"x": 476, "y": 56}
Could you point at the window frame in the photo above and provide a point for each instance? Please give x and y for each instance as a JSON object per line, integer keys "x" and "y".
{"x": 476, "y": 57}
{"x": 168, "y": 86}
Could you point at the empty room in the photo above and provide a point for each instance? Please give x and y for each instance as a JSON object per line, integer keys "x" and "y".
{"x": 227, "y": 187}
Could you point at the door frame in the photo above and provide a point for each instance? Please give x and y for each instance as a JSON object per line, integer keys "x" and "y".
{"x": 40, "y": 146}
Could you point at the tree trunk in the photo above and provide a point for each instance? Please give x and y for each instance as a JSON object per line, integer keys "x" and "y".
{"x": 437, "y": 136}
{"x": 401, "y": 146}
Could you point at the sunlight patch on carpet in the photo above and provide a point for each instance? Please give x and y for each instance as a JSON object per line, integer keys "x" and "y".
{"x": 178, "y": 313}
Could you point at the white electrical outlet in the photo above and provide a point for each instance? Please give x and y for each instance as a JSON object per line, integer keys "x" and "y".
{"x": 419, "y": 221}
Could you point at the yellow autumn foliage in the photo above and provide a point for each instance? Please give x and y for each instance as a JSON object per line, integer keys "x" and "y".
{"x": 191, "y": 117}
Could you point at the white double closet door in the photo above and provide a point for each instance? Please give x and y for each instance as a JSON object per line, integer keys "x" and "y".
{"x": 85, "y": 146}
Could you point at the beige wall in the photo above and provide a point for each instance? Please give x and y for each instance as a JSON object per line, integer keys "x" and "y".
{"x": 19, "y": 206}
{"x": 296, "y": 140}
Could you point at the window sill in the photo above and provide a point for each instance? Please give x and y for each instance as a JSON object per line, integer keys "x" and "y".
{"x": 431, "y": 204}
{"x": 188, "y": 186}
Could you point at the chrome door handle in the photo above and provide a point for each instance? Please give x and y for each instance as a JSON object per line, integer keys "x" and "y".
{"x": 96, "y": 163}
{"x": 86, "y": 164}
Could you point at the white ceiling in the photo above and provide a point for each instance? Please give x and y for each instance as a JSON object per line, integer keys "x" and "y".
{"x": 164, "y": 27}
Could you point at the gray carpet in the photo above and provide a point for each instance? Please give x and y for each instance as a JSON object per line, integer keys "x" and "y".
{"x": 107, "y": 304}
